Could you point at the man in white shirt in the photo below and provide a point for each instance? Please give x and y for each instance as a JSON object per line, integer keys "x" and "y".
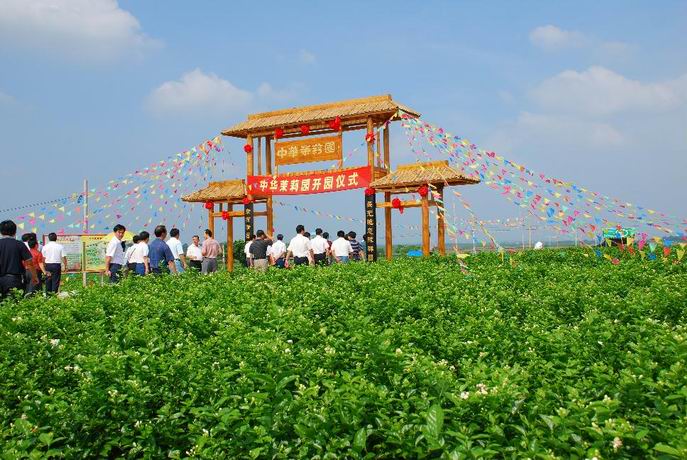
{"x": 55, "y": 258}
{"x": 277, "y": 252}
{"x": 131, "y": 266}
{"x": 114, "y": 254}
{"x": 320, "y": 248}
{"x": 194, "y": 254}
{"x": 341, "y": 248}
{"x": 139, "y": 256}
{"x": 246, "y": 251}
{"x": 177, "y": 250}
{"x": 300, "y": 248}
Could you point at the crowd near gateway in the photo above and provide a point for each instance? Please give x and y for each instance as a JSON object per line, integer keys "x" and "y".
{"x": 27, "y": 267}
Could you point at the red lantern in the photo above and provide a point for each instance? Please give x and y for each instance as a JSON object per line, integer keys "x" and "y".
{"x": 396, "y": 203}
{"x": 370, "y": 191}
{"x": 305, "y": 130}
{"x": 225, "y": 215}
{"x": 335, "y": 124}
{"x": 208, "y": 205}
{"x": 370, "y": 138}
{"x": 423, "y": 191}
{"x": 278, "y": 133}
{"x": 246, "y": 201}
{"x": 247, "y": 148}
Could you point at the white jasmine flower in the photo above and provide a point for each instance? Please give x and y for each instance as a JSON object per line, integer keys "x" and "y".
{"x": 464, "y": 394}
{"x": 617, "y": 443}
{"x": 54, "y": 342}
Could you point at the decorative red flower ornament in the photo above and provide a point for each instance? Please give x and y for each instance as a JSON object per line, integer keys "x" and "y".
{"x": 305, "y": 129}
{"x": 246, "y": 200}
{"x": 278, "y": 133}
{"x": 225, "y": 215}
{"x": 370, "y": 191}
{"x": 370, "y": 138}
{"x": 396, "y": 203}
{"x": 423, "y": 191}
{"x": 247, "y": 148}
{"x": 208, "y": 205}
{"x": 335, "y": 124}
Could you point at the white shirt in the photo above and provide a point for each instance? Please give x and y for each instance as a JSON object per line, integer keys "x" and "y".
{"x": 139, "y": 254}
{"x": 341, "y": 247}
{"x": 538, "y": 245}
{"x": 319, "y": 245}
{"x": 246, "y": 249}
{"x": 278, "y": 249}
{"x": 193, "y": 252}
{"x": 299, "y": 246}
{"x": 115, "y": 251}
{"x": 129, "y": 251}
{"x": 53, "y": 252}
{"x": 176, "y": 247}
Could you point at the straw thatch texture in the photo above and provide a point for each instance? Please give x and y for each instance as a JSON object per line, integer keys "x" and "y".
{"x": 223, "y": 191}
{"x": 351, "y": 112}
{"x": 417, "y": 174}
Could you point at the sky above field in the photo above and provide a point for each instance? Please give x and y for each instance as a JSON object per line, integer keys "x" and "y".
{"x": 591, "y": 92}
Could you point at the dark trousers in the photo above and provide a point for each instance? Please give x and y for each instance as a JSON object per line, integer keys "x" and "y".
{"x": 300, "y": 260}
{"x": 52, "y": 282}
{"x": 9, "y": 282}
{"x": 33, "y": 288}
{"x": 195, "y": 264}
{"x": 321, "y": 259}
{"x": 280, "y": 263}
{"x": 115, "y": 272}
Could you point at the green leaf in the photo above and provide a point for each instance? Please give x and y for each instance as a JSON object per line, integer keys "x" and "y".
{"x": 666, "y": 449}
{"x": 360, "y": 440}
{"x": 435, "y": 421}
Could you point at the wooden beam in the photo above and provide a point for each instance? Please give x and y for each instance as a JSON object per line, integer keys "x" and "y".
{"x": 370, "y": 145}
{"x": 405, "y": 204}
{"x": 425, "y": 226}
{"x": 230, "y": 240}
{"x": 249, "y": 157}
{"x": 388, "y": 244}
{"x": 441, "y": 225}
{"x": 238, "y": 214}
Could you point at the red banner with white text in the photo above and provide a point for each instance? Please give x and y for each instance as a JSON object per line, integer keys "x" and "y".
{"x": 311, "y": 182}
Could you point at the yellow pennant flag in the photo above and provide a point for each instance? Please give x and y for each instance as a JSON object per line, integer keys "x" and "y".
{"x": 680, "y": 254}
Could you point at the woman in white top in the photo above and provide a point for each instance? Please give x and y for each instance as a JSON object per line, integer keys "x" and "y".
{"x": 139, "y": 256}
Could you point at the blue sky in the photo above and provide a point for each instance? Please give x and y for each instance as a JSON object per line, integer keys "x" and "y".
{"x": 592, "y": 92}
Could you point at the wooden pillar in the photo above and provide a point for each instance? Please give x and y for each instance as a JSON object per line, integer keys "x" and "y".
{"x": 441, "y": 223}
{"x": 425, "y": 226}
{"x": 268, "y": 171}
{"x": 211, "y": 220}
{"x": 370, "y": 145}
{"x": 388, "y": 242}
{"x": 259, "y": 139}
{"x": 379, "y": 150}
{"x": 230, "y": 240}
{"x": 249, "y": 157}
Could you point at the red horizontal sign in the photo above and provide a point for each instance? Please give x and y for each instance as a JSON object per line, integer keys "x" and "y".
{"x": 308, "y": 183}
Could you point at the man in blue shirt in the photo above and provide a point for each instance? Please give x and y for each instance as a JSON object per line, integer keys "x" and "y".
{"x": 159, "y": 253}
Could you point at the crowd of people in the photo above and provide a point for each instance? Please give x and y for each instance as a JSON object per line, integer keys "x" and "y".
{"x": 26, "y": 266}
{"x": 262, "y": 250}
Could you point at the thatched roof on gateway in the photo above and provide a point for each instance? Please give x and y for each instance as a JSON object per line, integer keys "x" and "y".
{"x": 353, "y": 114}
{"x": 222, "y": 191}
{"x": 414, "y": 175}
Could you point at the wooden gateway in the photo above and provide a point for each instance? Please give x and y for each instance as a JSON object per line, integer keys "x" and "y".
{"x": 313, "y": 134}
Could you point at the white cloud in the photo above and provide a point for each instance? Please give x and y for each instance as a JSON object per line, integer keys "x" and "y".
{"x": 90, "y": 30}
{"x": 547, "y": 131}
{"x": 550, "y": 38}
{"x": 306, "y": 57}
{"x": 197, "y": 92}
{"x": 599, "y": 91}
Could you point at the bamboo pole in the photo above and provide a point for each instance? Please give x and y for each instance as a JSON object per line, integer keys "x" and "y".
{"x": 370, "y": 145}
{"x": 388, "y": 243}
{"x": 268, "y": 169}
{"x": 230, "y": 240}
{"x": 441, "y": 225}
{"x": 259, "y": 139}
{"x": 249, "y": 156}
{"x": 425, "y": 226}
{"x": 387, "y": 161}
{"x": 388, "y": 235}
